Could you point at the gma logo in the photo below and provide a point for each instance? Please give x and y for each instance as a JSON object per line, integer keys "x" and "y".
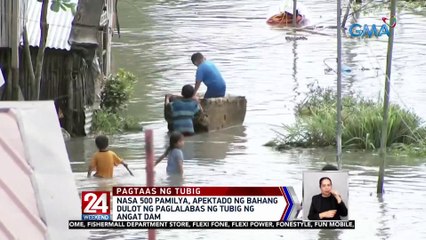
{"x": 357, "y": 30}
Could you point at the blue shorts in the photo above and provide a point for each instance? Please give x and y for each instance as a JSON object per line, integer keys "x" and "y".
{"x": 215, "y": 92}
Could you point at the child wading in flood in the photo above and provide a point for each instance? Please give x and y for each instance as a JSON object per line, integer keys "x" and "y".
{"x": 184, "y": 109}
{"x": 174, "y": 155}
{"x": 104, "y": 160}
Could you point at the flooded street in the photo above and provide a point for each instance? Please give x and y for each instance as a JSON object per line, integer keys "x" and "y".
{"x": 157, "y": 40}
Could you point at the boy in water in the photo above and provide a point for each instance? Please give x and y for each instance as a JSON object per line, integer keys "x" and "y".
{"x": 104, "y": 160}
{"x": 183, "y": 111}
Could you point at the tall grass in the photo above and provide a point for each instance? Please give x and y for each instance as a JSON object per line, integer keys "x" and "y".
{"x": 315, "y": 124}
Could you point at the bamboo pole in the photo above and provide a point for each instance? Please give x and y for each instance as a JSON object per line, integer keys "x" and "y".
{"x": 294, "y": 13}
{"x": 149, "y": 151}
{"x": 383, "y": 140}
{"x": 108, "y": 37}
{"x": 339, "y": 88}
{"x": 7, "y": 94}
{"x": 15, "y": 39}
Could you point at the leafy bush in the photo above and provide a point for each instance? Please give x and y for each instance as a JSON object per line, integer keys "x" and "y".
{"x": 115, "y": 95}
{"x": 106, "y": 122}
{"x": 117, "y": 91}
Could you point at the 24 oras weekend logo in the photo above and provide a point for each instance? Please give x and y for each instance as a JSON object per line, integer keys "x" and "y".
{"x": 96, "y": 205}
{"x": 357, "y": 30}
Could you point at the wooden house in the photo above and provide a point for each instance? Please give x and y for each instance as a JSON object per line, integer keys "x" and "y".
{"x": 77, "y": 56}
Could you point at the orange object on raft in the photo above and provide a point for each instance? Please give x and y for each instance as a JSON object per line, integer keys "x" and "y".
{"x": 284, "y": 19}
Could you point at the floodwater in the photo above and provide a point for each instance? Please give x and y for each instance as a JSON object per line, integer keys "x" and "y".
{"x": 157, "y": 40}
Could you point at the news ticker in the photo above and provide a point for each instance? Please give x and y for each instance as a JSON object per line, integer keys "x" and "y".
{"x": 349, "y": 224}
{"x": 168, "y": 204}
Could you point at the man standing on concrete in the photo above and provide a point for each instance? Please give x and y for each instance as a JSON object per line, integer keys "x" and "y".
{"x": 208, "y": 73}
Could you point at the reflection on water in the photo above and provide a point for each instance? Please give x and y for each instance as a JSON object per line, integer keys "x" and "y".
{"x": 383, "y": 231}
{"x": 175, "y": 181}
{"x": 158, "y": 38}
{"x": 330, "y": 234}
{"x": 215, "y": 146}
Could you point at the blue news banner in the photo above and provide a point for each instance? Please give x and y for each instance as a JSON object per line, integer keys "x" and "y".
{"x": 212, "y": 207}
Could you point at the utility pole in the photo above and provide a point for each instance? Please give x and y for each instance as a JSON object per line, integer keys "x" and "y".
{"x": 383, "y": 140}
{"x": 339, "y": 87}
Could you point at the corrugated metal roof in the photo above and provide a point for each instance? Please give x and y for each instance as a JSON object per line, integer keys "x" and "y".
{"x": 60, "y": 24}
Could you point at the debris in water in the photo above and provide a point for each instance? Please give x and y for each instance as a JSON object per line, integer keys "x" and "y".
{"x": 346, "y": 68}
{"x": 295, "y": 38}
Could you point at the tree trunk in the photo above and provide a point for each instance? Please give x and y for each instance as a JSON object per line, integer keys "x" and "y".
{"x": 345, "y": 18}
{"x": 44, "y": 29}
{"x": 28, "y": 60}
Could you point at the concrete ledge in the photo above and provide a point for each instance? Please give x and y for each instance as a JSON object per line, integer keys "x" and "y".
{"x": 221, "y": 113}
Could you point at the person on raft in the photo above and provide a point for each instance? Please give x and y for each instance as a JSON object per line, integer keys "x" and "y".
{"x": 209, "y": 74}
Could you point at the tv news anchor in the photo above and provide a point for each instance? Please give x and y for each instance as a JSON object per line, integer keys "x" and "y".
{"x": 328, "y": 205}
